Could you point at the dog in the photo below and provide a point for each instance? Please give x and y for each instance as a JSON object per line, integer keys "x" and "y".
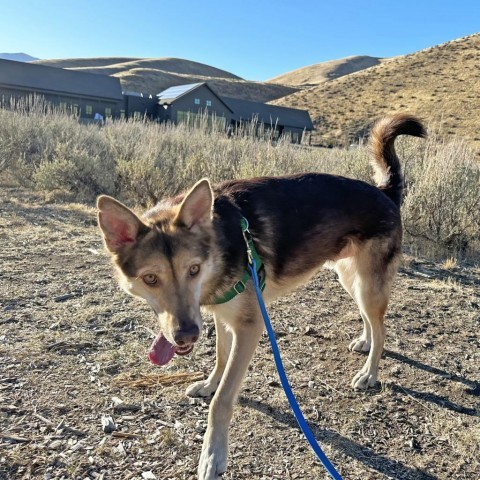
{"x": 188, "y": 251}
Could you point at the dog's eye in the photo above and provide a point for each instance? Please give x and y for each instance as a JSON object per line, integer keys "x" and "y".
{"x": 194, "y": 269}
{"x": 150, "y": 279}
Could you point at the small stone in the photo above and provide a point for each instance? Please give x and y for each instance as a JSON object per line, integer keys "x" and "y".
{"x": 413, "y": 444}
{"x": 178, "y": 425}
{"x": 120, "y": 449}
{"x": 148, "y": 475}
{"x": 200, "y": 426}
{"x": 108, "y": 425}
{"x": 55, "y": 444}
{"x": 309, "y": 330}
{"x": 126, "y": 407}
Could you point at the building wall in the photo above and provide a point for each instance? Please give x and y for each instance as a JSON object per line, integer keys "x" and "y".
{"x": 197, "y": 102}
{"x": 84, "y": 107}
{"x": 296, "y": 134}
{"x": 137, "y": 106}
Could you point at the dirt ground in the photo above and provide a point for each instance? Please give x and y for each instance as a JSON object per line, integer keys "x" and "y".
{"x": 73, "y": 351}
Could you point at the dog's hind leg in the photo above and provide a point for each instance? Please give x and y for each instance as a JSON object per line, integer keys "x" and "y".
{"x": 371, "y": 289}
{"x": 346, "y": 272}
{"x": 246, "y": 335}
{"x": 373, "y": 305}
{"x": 207, "y": 387}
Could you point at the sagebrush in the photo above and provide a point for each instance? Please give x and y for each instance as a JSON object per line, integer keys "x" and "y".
{"x": 140, "y": 162}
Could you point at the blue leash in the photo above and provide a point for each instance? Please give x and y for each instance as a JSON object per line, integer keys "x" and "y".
{"x": 284, "y": 380}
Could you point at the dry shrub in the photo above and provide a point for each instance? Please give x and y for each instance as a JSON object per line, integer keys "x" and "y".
{"x": 143, "y": 162}
{"x": 442, "y": 200}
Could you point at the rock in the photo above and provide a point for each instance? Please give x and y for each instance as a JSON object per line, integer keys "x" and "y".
{"x": 126, "y": 407}
{"x": 148, "y": 475}
{"x": 108, "y": 425}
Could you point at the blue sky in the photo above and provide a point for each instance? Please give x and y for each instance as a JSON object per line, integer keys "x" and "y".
{"x": 256, "y": 40}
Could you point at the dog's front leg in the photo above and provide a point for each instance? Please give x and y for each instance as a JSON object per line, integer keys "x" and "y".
{"x": 207, "y": 387}
{"x": 213, "y": 460}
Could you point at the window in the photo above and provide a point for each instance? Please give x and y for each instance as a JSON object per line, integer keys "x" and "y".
{"x": 122, "y": 114}
{"x": 108, "y": 112}
{"x": 88, "y": 110}
{"x": 209, "y": 103}
{"x": 75, "y": 109}
{"x": 197, "y": 101}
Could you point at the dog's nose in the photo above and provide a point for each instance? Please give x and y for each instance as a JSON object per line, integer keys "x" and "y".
{"x": 186, "y": 335}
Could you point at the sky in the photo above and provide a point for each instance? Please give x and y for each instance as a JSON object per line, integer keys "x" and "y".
{"x": 254, "y": 39}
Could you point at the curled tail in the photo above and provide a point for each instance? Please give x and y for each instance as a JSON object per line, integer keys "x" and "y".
{"x": 386, "y": 165}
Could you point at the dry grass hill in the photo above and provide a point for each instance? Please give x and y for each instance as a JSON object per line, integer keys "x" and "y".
{"x": 152, "y": 75}
{"x": 440, "y": 84}
{"x": 323, "y": 72}
{"x": 112, "y": 65}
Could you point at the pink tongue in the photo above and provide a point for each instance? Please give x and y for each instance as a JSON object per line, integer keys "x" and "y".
{"x": 161, "y": 351}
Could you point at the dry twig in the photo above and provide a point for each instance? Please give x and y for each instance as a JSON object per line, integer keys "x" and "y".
{"x": 155, "y": 380}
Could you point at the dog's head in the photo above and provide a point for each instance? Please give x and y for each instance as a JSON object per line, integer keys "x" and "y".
{"x": 165, "y": 258}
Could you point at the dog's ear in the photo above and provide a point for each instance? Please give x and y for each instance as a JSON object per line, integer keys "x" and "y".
{"x": 197, "y": 206}
{"x": 119, "y": 225}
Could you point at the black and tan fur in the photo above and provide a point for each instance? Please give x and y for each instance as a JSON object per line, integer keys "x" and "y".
{"x": 187, "y": 250}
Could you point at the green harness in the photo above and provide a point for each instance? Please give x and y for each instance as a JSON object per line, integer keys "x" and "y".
{"x": 241, "y": 285}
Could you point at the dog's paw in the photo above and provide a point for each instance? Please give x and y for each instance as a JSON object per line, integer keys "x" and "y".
{"x": 360, "y": 344}
{"x": 213, "y": 460}
{"x": 363, "y": 380}
{"x": 204, "y": 388}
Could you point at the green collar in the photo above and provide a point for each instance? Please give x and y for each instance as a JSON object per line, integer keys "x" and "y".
{"x": 241, "y": 285}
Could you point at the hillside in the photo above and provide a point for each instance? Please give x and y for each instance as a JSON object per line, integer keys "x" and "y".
{"x": 325, "y": 71}
{"x": 151, "y": 80}
{"x": 17, "y": 57}
{"x": 107, "y": 65}
{"x": 152, "y": 75}
{"x": 440, "y": 84}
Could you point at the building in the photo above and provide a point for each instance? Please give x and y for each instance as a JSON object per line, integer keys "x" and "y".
{"x": 95, "y": 96}
{"x": 86, "y": 94}
{"x": 273, "y": 119}
{"x": 186, "y": 102}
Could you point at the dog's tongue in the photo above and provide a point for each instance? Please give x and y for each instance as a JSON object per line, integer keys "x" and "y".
{"x": 161, "y": 351}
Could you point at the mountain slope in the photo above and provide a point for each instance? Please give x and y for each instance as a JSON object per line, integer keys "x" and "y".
{"x": 151, "y": 80}
{"x": 439, "y": 84}
{"x": 117, "y": 64}
{"x": 152, "y": 75}
{"x": 325, "y": 71}
{"x": 18, "y": 57}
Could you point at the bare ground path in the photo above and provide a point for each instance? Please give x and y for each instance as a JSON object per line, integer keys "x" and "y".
{"x": 72, "y": 346}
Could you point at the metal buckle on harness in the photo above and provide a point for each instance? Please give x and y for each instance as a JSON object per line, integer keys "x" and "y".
{"x": 239, "y": 287}
{"x": 247, "y": 236}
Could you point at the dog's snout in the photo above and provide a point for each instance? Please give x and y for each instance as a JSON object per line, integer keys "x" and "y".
{"x": 186, "y": 335}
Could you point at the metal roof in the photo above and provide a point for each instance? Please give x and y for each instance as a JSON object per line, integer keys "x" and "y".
{"x": 41, "y": 78}
{"x": 269, "y": 114}
{"x": 173, "y": 93}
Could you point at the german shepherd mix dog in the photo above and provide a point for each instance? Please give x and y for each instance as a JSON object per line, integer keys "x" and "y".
{"x": 188, "y": 251}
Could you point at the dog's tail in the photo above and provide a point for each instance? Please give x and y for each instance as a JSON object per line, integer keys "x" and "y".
{"x": 386, "y": 165}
